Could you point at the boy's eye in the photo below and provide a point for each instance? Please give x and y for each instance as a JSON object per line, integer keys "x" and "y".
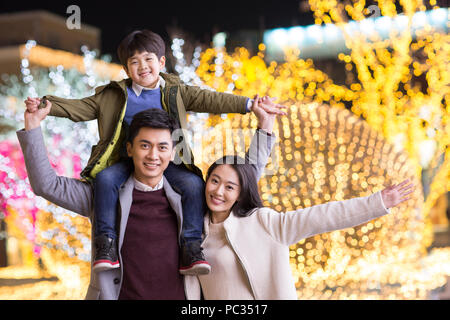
{"x": 144, "y": 146}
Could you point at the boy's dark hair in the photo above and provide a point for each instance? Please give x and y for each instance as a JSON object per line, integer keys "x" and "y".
{"x": 140, "y": 41}
{"x": 151, "y": 118}
{"x": 249, "y": 197}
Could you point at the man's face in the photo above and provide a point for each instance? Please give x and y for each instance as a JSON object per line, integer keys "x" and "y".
{"x": 152, "y": 150}
{"x": 143, "y": 68}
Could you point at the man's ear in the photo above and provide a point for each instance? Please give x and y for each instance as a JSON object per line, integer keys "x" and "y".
{"x": 129, "y": 149}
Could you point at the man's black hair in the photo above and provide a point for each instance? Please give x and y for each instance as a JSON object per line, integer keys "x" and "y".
{"x": 151, "y": 118}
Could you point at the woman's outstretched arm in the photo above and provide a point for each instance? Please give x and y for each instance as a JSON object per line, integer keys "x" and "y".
{"x": 291, "y": 227}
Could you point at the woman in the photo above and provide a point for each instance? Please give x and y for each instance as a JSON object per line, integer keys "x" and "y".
{"x": 248, "y": 245}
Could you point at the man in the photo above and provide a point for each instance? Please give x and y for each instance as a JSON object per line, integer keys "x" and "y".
{"x": 150, "y": 210}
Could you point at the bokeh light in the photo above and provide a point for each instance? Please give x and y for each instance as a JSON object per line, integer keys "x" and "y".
{"x": 389, "y": 121}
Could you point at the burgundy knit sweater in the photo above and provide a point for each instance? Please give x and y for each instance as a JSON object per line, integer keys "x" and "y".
{"x": 150, "y": 252}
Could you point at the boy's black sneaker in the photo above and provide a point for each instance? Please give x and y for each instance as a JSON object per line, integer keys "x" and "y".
{"x": 193, "y": 261}
{"x": 106, "y": 256}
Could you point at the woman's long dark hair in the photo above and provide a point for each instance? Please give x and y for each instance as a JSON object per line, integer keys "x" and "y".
{"x": 249, "y": 198}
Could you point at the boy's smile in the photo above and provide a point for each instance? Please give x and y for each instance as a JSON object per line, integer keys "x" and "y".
{"x": 144, "y": 67}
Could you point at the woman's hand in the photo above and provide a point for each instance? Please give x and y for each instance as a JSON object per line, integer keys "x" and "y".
{"x": 266, "y": 111}
{"x": 397, "y": 193}
{"x": 268, "y": 105}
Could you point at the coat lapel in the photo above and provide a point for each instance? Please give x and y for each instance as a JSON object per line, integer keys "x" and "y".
{"x": 125, "y": 200}
{"x": 175, "y": 202}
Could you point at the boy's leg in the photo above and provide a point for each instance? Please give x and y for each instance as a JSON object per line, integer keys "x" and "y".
{"x": 192, "y": 190}
{"x": 106, "y": 196}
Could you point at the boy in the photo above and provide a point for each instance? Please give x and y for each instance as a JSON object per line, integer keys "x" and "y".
{"x": 142, "y": 54}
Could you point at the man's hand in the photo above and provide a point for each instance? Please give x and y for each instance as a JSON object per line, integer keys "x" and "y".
{"x": 397, "y": 193}
{"x": 33, "y": 119}
{"x": 266, "y": 119}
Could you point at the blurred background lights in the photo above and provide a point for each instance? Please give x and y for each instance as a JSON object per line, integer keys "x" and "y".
{"x": 389, "y": 121}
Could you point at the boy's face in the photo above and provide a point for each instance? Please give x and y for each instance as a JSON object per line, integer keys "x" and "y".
{"x": 143, "y": 68}
{"x": 152, "y": 150}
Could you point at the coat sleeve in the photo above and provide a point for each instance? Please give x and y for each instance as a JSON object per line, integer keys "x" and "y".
{"x": 259, "y": 151}
{"x": 69, "y": 193}
{"x": 291, "y": 227}
{"x": 85, "y": 109}
{"x": 203, "y": 100}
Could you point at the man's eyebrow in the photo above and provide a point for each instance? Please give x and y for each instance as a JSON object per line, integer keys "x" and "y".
{"x": 227, "y": 181}
{"x": 160, "y": 143}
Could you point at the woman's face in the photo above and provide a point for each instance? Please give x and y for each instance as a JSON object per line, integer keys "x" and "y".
{"x": 222, "y": 189}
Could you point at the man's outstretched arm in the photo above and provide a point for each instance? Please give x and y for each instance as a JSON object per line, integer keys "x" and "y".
{"x": 69, "y": 193}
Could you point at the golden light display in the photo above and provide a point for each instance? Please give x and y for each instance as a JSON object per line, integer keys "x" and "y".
{"x": 399, "y": 93}
{"x": 327, "y": 154}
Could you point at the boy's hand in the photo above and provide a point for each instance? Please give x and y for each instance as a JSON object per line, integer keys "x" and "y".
{"x": 33, "y": 119}
{"x": 266, "y": 120}
{"x": 397, "y": 193}
{"x": 269, "y": 106}
{"x": 32, "y": 104}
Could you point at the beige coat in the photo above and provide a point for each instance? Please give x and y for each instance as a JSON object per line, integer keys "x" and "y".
{"x": 261, "y": 241}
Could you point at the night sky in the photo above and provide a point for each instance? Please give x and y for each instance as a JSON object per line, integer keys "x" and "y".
{"x": 197, "y": 17}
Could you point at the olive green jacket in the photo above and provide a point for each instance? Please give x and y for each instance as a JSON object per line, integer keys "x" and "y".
{"x": 108, "y": 106}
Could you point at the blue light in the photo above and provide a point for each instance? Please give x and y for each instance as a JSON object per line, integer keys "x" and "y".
{"x": 315, "y": 41}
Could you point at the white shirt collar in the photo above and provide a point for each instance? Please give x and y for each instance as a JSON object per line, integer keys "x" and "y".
{"x": 143, "y": 187}
{"x": 138, "y": 88}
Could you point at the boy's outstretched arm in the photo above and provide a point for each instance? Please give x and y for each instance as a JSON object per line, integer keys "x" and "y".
{"x": 84, "y": 109}
{"x": 202, "y": 100}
